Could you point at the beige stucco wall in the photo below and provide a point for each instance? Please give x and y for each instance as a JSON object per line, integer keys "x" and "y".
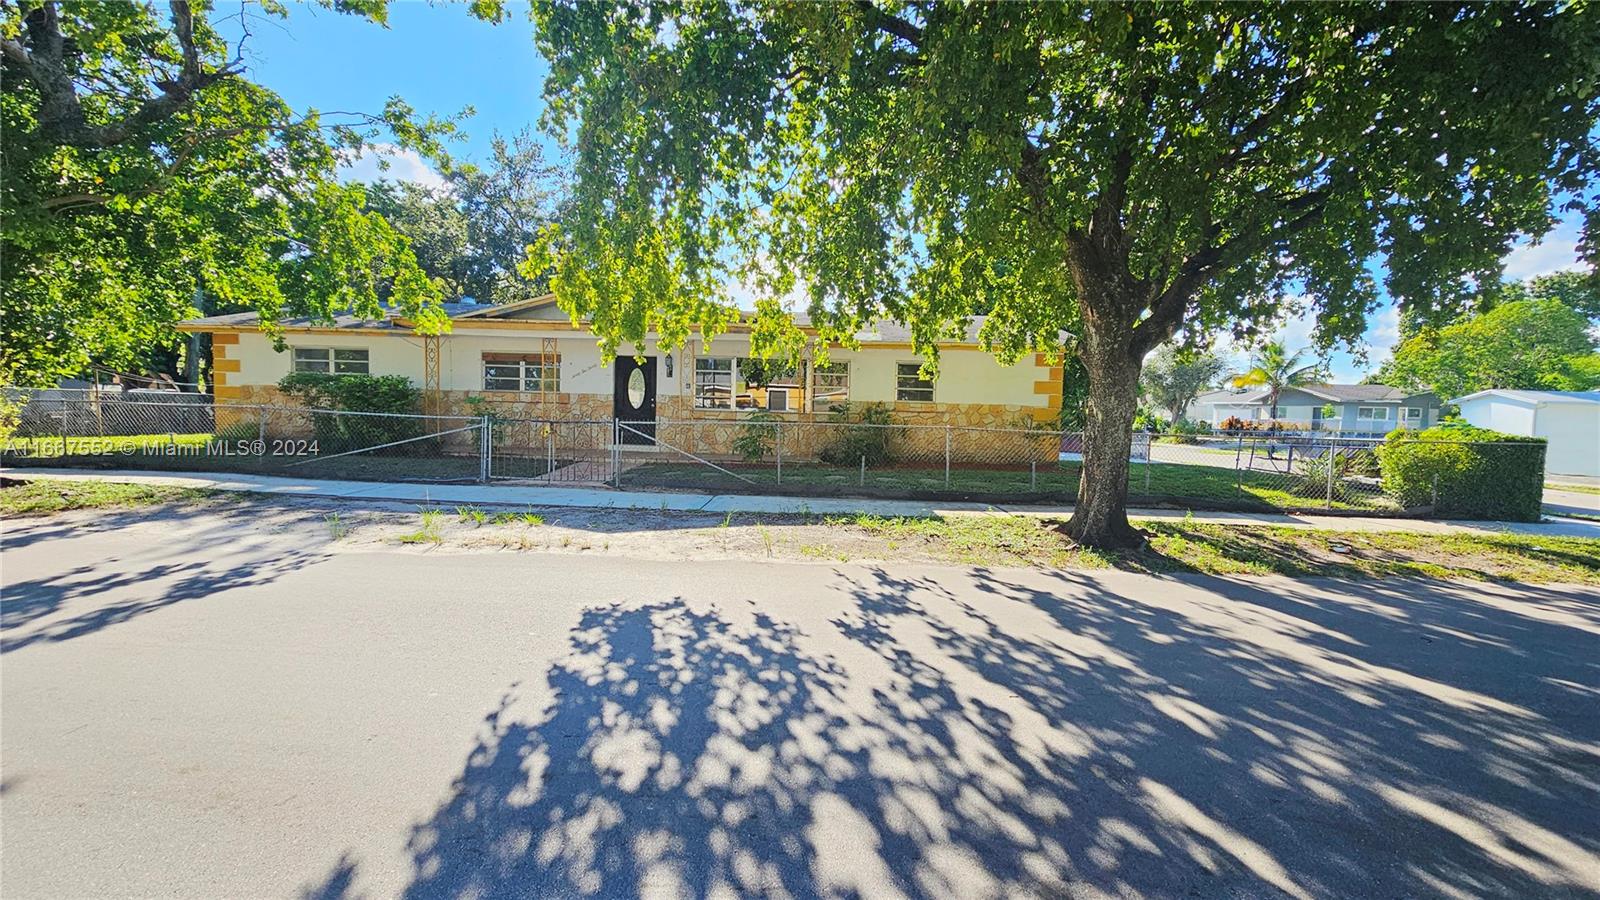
{"x": 970, "y": 381}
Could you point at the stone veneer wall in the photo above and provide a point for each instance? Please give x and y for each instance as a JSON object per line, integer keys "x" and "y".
{"x": 1000, "y": 434}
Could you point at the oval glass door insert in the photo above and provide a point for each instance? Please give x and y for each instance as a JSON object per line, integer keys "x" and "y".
{"x": 636, "y": 388}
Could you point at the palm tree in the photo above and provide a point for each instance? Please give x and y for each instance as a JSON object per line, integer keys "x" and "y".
{"x": 1274, "y": 366}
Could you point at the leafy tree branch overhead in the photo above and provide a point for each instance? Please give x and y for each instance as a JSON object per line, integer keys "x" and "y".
{"x": 1128, "y": 173}
{"x": 142, "y": 164}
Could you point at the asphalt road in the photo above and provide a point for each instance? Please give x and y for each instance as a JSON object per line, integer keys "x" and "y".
{"x": 231, "y": 706}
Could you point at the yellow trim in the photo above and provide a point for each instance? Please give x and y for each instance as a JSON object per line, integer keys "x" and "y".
{"x": 225, "y": 339}
{"x": 222, "y": 364}
{"x": 404, "y": 326}
{"x": 218, "y": 331}
{"x": 514, "y": 324}
{"x": 223, "y": 392}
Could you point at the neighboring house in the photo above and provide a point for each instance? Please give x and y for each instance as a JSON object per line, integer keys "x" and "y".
{"x": 1356, "y": 408}
{"x": 1569, "y": 421}
{"x": 530, "y": 360}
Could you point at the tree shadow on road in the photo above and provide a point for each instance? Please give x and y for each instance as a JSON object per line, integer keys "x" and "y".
{"x": 1053, "y": 736}
{"x": 36, "y": 610}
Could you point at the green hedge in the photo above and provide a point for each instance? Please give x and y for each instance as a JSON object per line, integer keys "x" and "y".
{"x": 1477, "y": 473}
{"x": 393, "y": 394}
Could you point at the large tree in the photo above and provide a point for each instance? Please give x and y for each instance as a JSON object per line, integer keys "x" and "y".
{"x": 471, "y": 233}
{"x": 1172, "y": 378}
{"x": 1523, "y": 344}
{"x": 1579, "y": 291}
{"x": 143, "y": 165}
{"x": 1117, "y": 171}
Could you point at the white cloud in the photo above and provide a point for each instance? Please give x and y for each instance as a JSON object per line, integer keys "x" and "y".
{"x": 1558, "y": 251}
{"x": 403, "y": 165}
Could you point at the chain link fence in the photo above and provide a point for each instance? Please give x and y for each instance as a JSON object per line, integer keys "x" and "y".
{"x": 187, "y": 432}
{"x": 755, "y": 453}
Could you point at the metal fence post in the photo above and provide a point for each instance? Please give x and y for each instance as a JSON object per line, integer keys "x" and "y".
{"x": 1033, "y": 475}
{"x": 947, "y": 456}
{"x": 1149, "y": 451}
{"x": 779, "y": 443}
{"x": 549, "y": 449}
{"x": 1331, "y": 450}
{"x": 1238, "y": 473}
{"x": 863, "y": 470}
{"x": 261, "y": 426}
{"x": 487, "y": 463}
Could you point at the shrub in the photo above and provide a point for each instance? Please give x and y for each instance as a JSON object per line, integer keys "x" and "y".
{"x": 865, "y": 433}
{"x": 1148, "y": 420}
{"x": 1234, "y": 424}
{"x": 393, "y": 394}
{"x": 756, "y": 437}
{"x": 1474, "y": 472}
{"x": 1185, "y": 431}
{"x": 1312, "y": 480}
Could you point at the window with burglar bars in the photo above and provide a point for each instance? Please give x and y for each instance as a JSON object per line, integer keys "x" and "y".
{"x": 330, "y": 361}
{"x": 713, "y": 382}
{"x": 529, "y": 372}
{"x": 909, "y": 383}
{"x": 830, "y": 384}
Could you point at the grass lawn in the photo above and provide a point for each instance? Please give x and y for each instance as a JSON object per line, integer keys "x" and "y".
{"x": 1177, "y": 547}
{"x": 1572, "y": 488}
{"x": 1168, "y": 483}
{"x": 42, "y": 496}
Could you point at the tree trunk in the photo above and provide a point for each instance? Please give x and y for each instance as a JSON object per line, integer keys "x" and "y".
{"x": 1101, "y": 517}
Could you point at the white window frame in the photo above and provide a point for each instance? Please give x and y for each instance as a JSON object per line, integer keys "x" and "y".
{"x": 1412, "y": 415}
{"x": 303, "y": 359}
{"x": 1363, "y": 414}
{"x": 839, "y": 371}
{"x": 533, "y": 376}
{"x": 917, "y": 382}
{"x": 715, "y": 376}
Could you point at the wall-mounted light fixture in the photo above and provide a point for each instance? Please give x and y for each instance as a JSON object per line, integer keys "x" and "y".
{"x": 669, "y": 365}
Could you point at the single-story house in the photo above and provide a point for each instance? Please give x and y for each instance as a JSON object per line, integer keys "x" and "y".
{"x": 1355, "y": 408}
{"x": 1569, "y": 421}
{"x": 529, "y": 360}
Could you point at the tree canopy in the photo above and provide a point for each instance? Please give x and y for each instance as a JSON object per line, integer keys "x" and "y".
{"x": 1579, "y": 291}
{"x": 142, "y": 165}
{"x": 1172, "y": 378}
{"x": 470, "y": 235}
{"x": 1524, "y": 344}
{"x": 1122, "y": 172}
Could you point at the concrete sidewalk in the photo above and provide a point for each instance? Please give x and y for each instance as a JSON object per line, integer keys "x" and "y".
{"x": 599, "y": 498}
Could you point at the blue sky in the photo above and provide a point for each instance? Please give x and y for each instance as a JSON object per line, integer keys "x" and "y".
{"x": 440, "y": 60}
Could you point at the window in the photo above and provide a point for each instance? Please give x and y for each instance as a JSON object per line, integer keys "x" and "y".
{"x": 330, "y": 361}
{"x": 830, "y": 384}
{"x": 1413, "y": 416}
{"x": 530, "y": 372}
{"x": 1372, "y": 414}
{"x": 909, "y": 383}
{"x": 713, "y": 382}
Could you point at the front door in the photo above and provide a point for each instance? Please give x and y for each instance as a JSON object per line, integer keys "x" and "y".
{"x": 635, "y": 401}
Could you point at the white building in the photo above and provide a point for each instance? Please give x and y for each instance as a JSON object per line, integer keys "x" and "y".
{"x": 1568, "y": 420}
